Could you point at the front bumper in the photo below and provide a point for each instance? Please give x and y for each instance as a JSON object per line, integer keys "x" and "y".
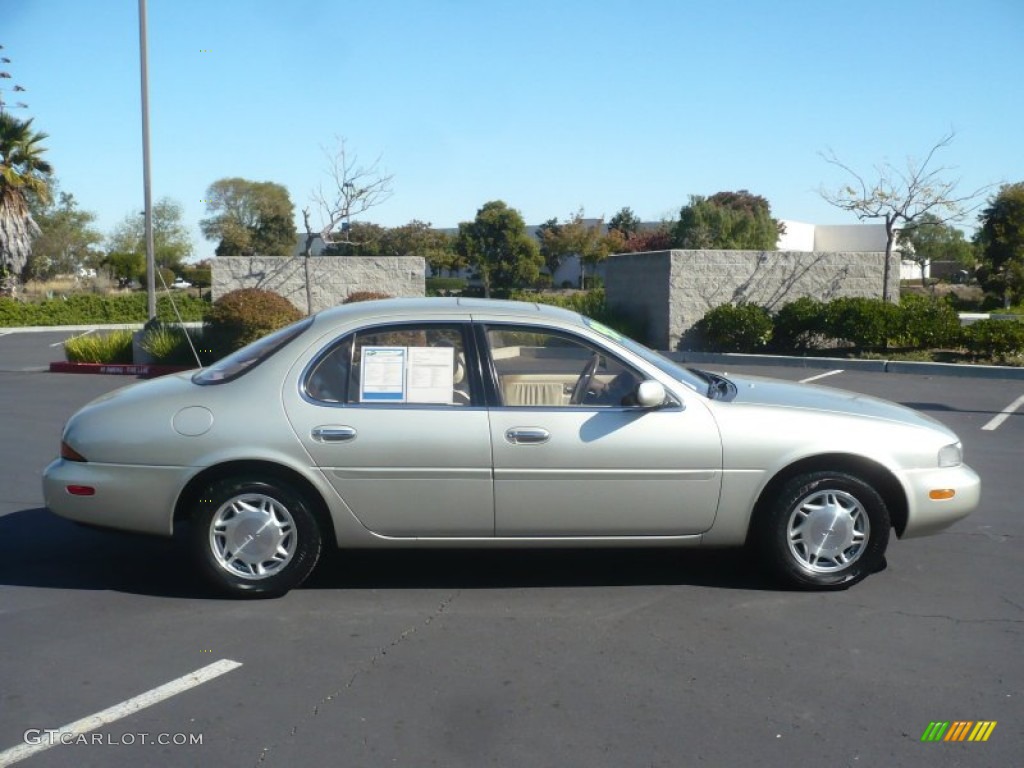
{"x": 926, "y": 515}
{"x": 127, "y": 497}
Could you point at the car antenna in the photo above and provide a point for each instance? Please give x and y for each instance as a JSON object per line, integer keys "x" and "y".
{"x": 181, "y": 323}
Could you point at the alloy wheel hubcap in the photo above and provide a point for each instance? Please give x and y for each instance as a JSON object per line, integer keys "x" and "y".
{"x": 828, "y": 531}
{"x": 253, "y": 536}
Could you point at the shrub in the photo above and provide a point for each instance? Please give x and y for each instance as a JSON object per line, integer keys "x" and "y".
{"x": 589, "y": 303}
{"x": 443, "y": 286}
{"x": 169, "y": 345}
{"x": 366, "y": 296}
{"x": 735, "y": 328}
{"x": 996, "y": 339}
{"x": 113, "y": 347}
{"x": 240, "y": 317}
{"x": 800, "y": 325}
{"x": 89, "y": 308}
{"x": 927, "y": 323}
{"x": 864, "y": 323}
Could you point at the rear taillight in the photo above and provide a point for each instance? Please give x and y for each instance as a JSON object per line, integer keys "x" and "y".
{"x": 69, "y": 453}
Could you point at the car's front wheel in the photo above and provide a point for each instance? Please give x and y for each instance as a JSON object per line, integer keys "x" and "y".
{"x": 825, "y": 530}
{"x": 255, "y": 538}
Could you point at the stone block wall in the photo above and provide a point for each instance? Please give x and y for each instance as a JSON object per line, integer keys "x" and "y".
{"x": 333, "y": 278}
{"x": 671, "y": 290}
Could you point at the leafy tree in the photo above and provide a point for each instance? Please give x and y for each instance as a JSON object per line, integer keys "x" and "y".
{"x": 658, "y": 239}
{"x": 1001, "y": 238}
{"x": 125, "y": 266}
{"x": 172, "y": 242}
{"x": 362, "y": 238}
{"x": 900, "y": 196}
{"x": 547, "y": 235}
{"x": 418, "y": 238}
{"x": 496, "y": 244}
{"x": 249, "y": 218}
{"x": 626, "y": 222}
{"x": 66, "y": 239}
{"x": 727, "y": 220}
{"x": 23, "y": 175}
{"x": 575, "y": 237}
{"x": 930, "y": 239}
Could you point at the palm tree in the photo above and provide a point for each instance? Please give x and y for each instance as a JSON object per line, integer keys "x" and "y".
{"x": 23, "y": 175}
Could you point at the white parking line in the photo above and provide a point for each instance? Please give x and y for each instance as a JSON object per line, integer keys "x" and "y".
{"x": 1004, "y": 414}
{"x": 821, "y": 376}
{"x": 116, "y": 712}
{"x": 62, "y": 343}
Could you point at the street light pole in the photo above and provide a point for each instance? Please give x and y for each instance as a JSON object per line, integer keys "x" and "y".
{"x": 150, "y": 258}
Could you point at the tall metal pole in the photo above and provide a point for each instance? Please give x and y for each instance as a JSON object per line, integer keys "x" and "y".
{"x": 150, "y": 257}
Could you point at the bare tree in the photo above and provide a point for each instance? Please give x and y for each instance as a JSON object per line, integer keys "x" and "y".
{"x": 353, "y": 190}
{"x": 899, "y": 196}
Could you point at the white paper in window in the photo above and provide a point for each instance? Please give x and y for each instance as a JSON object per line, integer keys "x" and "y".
{"x": 382, "y": 375}
{"x": 431, "y": 372}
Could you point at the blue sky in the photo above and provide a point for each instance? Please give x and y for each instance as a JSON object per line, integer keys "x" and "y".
{"x": 550, "y": 106}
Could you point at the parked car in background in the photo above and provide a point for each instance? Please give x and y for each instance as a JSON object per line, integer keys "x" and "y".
{"x": 180, "y": 282}
{"x": 469, "y": 422}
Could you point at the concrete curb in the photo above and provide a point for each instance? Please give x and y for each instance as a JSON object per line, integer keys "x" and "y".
{"x": 853, "y": 364}
{"x": 84, "y": 328}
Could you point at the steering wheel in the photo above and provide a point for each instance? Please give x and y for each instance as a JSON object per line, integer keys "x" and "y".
{"x": 579, "y": 390}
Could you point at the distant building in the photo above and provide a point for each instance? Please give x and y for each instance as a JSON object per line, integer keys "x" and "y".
{"x": 842, "y": 238}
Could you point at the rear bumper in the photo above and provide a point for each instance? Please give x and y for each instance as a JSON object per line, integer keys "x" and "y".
{"x": 126, "y": 497}
{"x": 926, "y": 515}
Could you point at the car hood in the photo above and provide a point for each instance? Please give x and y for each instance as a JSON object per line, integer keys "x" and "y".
{"x": 757, "y": 390}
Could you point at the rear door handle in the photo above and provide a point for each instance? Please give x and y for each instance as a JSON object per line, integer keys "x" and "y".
{"x": 333, "y": 434}
{"x": 527, "y": 435}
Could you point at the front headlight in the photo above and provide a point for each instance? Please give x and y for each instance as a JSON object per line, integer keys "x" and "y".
{"x": 951, "y": 455}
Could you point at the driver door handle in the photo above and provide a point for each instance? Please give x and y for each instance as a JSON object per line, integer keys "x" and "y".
{"x": 527, "y": 435}
{"x": 333, "y": 434}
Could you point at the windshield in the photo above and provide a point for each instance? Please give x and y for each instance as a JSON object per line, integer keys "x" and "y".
{"x": 683, "y": 375}
{"x": 248, "y": 357}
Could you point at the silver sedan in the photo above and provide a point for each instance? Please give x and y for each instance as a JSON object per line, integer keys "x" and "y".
{"x": 462, "y": 422}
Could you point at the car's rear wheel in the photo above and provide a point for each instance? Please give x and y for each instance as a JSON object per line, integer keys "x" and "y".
{"x": 255, "y": 538}
{"x": 825, "y": 530}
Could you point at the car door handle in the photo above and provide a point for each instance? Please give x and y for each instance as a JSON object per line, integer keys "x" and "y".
{"x": 333, "y": 434}
{"x": 527, "y": 435}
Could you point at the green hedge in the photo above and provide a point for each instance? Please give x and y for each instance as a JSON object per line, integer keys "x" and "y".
{"x": 90, "y": 308}
{"x": 736, "y": 328}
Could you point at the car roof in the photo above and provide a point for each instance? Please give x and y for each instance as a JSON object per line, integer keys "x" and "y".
{"x": 456, "y": 305}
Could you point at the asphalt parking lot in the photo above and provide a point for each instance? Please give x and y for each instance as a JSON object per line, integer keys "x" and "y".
{"x": 591, "y": 658}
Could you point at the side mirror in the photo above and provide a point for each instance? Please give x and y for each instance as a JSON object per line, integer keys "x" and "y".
{"x": 650, "y": 394}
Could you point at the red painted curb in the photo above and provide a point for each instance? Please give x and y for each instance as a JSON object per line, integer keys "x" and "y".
{"x": 126, "y": 369}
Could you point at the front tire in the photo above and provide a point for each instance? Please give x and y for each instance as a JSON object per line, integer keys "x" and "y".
{"x": 826, "y": 530}
{"x": 255, "y": 538}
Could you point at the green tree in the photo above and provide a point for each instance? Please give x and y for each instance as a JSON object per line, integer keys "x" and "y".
{"x": 930, "y": 239}
{"x": 727, "y": 220}
{"x": 125, "y": 266}
{"x": 418, "y": 238}
{"x": 249, "y": 218}
{"x": 23, "y": 175}
{"x": 172, "y": 242}
{"x": 496, "y": 244}
{"x": 575, "y": 237}
{"x": 361, "y": 238}
{"x": 899, "y": 197}
{"x": 1001, "y": 239}
{"x": 626, "y": 222}
{"x": 66, "y": 239}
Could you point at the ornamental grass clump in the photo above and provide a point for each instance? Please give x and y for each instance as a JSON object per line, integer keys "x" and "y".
{"x": 113, "y": 347}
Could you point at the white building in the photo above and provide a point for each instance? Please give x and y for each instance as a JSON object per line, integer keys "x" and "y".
{"x": 857, "y": 238}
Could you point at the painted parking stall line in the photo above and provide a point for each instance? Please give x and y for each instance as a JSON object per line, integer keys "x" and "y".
{"x": 1003, "y": 415}
{"x": 112, "y": 714}
{"x": 821, "y": 376}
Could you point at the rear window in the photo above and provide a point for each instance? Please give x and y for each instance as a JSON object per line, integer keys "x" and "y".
{"x": 248, "y": 357}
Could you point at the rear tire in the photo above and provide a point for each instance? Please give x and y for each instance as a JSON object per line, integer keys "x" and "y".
{"x": 255, "y": 538}
{"x": 826, "y": 530}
